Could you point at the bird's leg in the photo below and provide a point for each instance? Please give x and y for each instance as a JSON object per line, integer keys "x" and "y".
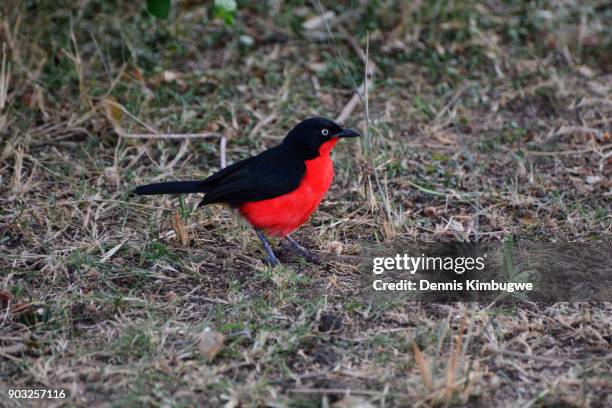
{"x": 301, "y": 251}
{"x": 270, "y": 257}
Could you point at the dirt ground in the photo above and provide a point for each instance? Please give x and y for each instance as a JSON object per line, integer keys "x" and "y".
{"x": 486, "y": 120}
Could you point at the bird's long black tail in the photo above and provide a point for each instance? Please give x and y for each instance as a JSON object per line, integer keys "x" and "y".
{"x": 171, "y": 187}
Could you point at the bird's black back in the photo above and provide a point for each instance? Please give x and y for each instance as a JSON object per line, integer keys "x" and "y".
{"x": 270, "y": 174}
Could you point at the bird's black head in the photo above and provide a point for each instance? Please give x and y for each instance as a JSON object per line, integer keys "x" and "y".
{"x": 308, "y": 136}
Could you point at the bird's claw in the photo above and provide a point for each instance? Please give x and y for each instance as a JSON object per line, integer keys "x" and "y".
{"x": 312, "y": 258}
{"x": 303, "y": 252}
{"x": 271, "y": 261}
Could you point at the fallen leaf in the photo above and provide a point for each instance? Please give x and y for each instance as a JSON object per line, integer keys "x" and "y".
{"x": 92, "y": 273}
{"x": 210, "y": 343}
{"x": 335, "y": 247}
{"x": 430, "y": 211}
{"x": 527, "y": 221}
{"x": 113, "y": 110}
{"x": 119, "y": 261}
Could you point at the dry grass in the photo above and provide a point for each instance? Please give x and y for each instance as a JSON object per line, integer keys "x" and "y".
{"x": 485, "y": 120}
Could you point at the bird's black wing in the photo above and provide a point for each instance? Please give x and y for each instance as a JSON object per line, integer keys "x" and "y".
{"x": 217, "y": 177}
{"x": 267, "y": 175}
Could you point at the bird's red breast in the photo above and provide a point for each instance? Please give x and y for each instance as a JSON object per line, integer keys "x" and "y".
{"x": 279, "y": 216}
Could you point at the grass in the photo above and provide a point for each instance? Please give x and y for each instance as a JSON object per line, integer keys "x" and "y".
{"x": 488, "y": 120}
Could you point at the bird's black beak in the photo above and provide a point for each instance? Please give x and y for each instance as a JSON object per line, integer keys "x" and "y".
{"x": 346, "y": 132}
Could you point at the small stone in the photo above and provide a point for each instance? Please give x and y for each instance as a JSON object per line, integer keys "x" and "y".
{"x": 330, "y": 322}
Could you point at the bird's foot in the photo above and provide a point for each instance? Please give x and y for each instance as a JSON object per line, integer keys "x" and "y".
{"x": 271, "y": 260}
{"x": 303, "y": 252}
{"x": 270, "y": 257}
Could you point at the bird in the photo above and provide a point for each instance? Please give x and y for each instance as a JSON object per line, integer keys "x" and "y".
{"x": 277, "y": 190}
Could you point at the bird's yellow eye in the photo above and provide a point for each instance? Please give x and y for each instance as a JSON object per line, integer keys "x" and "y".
{"x": 325, "y": 132}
